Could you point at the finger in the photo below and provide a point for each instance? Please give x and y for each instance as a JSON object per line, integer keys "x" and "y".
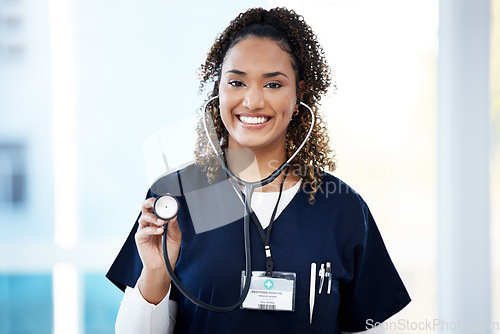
{"x": 147, "y": 205}
{"x": 156, "y": 224}
{"x": 150, "y": 219}
{"x": 173, "y": 230}
{"x": 143, "y": 223}
{"x": 144, "y": 233}
{"x": 173, "y": 220}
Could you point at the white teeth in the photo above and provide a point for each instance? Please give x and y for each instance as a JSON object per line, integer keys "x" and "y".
{"x": 253, "y": 120}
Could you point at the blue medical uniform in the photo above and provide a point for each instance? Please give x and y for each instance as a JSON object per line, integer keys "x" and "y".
{"x": 338, "y": 228}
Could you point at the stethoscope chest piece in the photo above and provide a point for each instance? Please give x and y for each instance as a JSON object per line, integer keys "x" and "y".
{"x": 166, "y": 207}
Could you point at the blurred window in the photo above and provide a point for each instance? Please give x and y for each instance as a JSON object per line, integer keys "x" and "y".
{"x": 12, "y": 175}
{"x": 101, "y": 304}
{"x": 26, "y": 303}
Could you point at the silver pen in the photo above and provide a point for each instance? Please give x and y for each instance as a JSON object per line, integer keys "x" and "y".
{"x": 329, "y": 275}
{"x": 321, "y": 277}
{"x": 312, "y": 291}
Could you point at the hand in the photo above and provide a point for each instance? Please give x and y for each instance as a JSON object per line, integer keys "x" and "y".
{"x": 148, "y": 238}
{"x": 154, "y": 281}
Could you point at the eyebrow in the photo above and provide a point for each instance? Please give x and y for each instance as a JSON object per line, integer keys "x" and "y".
{"x": 265, "y": 75}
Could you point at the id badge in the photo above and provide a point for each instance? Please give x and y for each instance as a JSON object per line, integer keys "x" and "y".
{"x": 276, "y": 293}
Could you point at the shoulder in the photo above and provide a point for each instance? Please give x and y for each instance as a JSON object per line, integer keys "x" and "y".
{"x": 340, "y": 203}
{"x": 179, "y": 181}
{"x": 334, "y": 189}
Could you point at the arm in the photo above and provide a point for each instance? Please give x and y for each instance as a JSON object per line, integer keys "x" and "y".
{"x": 136, "y": 315}
{"x": 154, "y": 282}
{"x": 151, "y": 292}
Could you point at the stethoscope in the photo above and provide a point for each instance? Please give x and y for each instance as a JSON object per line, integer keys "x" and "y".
{"x": 166, "y": 207}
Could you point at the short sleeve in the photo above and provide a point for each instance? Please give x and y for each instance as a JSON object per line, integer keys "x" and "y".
{"x": 376, "y": 291}
{"x": 127, "y": 267}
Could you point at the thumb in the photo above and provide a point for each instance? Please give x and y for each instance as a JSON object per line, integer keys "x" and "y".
{"x": 173, "y": 230}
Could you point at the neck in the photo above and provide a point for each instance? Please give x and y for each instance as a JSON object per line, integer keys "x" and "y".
{"x": 251, "y": 166}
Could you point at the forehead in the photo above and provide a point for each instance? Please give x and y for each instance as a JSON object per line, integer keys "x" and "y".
{"x": 257, "y": 54}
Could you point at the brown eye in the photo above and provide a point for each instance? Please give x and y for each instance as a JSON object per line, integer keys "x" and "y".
{"x": 235, "y": 83}
{"x": 273, "y": 85}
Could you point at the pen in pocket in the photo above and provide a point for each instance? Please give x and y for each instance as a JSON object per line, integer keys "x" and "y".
{"x": 329, "y": 275}
{"x": 312, "y": 291}
{"x": 321, "y": 277}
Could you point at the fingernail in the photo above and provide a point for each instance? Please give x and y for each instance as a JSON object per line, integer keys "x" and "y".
{"x": 160, "y": 229}
{"x": 159, "y": 221}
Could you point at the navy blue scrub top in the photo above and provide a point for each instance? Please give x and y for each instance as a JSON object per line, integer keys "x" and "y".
{"x": 337, "y": 228}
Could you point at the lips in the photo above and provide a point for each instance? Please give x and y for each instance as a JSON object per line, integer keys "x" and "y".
{"x": 253, "y": 119}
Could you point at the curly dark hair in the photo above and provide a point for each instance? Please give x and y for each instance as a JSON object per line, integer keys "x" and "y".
{"x": 293, "y": 35}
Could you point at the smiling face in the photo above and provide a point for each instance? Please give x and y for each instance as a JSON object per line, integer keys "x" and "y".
{"x": 257, "y": 96}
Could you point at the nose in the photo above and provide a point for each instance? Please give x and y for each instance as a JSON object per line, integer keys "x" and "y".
{"x": 254, "y": 99}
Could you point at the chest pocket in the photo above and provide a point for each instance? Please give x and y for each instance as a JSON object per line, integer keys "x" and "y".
{"x": 325, "y": 306}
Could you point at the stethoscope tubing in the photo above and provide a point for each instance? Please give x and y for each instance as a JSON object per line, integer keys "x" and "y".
{"x": 274, "y": 174}
{"x": 199, "y": 302}
{"x": 249, "y": 188}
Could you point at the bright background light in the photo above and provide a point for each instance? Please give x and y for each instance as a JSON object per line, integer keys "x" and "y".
{"x": 66, "y": 299}
{"x": 63, "y": 123}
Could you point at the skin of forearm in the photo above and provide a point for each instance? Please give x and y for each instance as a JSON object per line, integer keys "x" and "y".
{"x": 154, "y": 284}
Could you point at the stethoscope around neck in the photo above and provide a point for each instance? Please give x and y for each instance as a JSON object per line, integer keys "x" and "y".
{"x": 166, "y": 207}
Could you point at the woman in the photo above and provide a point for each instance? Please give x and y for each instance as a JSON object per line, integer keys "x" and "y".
{"x": 263, "y": 65}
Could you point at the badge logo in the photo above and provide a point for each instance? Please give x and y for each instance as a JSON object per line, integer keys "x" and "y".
{"x": 268, "y": 284}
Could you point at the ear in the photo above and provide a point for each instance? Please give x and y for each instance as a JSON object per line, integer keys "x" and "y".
{"x": 301, "y": 88}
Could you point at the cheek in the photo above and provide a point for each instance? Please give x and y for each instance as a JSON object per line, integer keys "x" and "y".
{"x": 227, "y": 102}
{"x": 224, "y": 98}
{"x": 225, "y": 113}
{"x": 288, "y": 109}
